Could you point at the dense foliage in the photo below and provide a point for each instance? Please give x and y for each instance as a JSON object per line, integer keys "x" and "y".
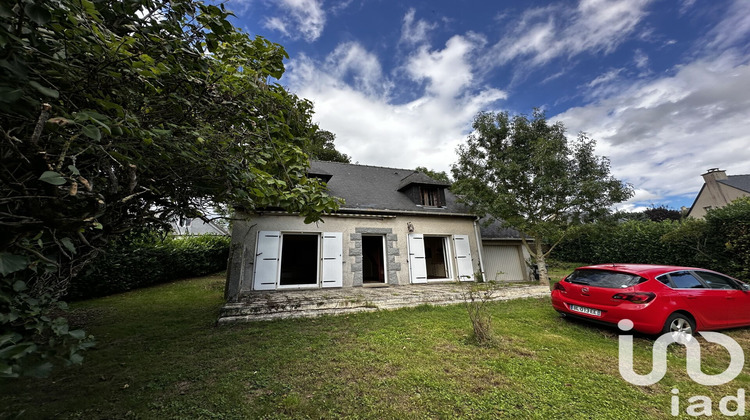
{"x": 634, "y": 241}
{"x": 117, "y": 115}
{"x": 149, "y": 260}
{"x": 721, "y": 241}
{"x": 526, "y": 173}
{"x": 661, "y": 213}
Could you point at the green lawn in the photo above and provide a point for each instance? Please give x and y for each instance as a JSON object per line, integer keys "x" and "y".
{"x": 160, "y": 355}
{"x": 557, "y": 269}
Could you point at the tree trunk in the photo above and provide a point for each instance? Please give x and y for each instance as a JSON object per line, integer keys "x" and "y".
{"x": 540, "y": 262}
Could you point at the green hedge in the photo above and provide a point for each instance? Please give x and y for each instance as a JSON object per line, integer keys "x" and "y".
{"x": 631, "y": 241}
{"x": 720, "y": 242}
{"x": 147, "y": 261}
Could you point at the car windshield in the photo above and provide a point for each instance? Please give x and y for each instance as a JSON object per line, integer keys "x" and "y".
{"x": 604, "y": 278}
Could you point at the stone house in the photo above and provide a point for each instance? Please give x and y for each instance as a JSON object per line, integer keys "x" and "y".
{"x": 397, "y": 227}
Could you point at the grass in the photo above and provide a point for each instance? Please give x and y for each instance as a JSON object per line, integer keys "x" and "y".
{"x": 558, "y": 269}
{"x": 160, "y": 355}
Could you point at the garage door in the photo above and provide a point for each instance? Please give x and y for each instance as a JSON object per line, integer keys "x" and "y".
{"x": 503, "y": 263}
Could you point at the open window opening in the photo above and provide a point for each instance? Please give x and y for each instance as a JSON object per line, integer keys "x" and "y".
{"x": 373, "y": 259}
{"x": 436, "y": 257}
{"x": 299, "y": 260}
{"x": 430, "y": 196}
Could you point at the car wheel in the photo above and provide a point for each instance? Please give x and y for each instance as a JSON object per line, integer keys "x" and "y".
{"x": 678, "y": 323}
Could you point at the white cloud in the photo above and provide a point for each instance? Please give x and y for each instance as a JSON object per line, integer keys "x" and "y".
{"x": 306, "y": 17}
{"x": 686, "y": 6}
{"x": 350, "y": 59}
{"x": 543, "y": 34}
{"x": 239, "y": 7}
{"x": 276, "y": 24}
{"x": 662, "y": 134}
{"x": 447, "y": 70}
{"x": 733, "y": 31}
{"x": 640, "y": 201}
{"x": 414, "y": 33}
{"x": 340, "y": 6}
{"x": 351, "y": 99}
{"x": 605, "y": 78}
{"x": 641, "y": 59}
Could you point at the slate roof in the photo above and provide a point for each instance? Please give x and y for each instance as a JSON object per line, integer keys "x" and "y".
{"x": 420, "y": 178}
{"x": 741, "y": 182}
{"x": 493, "y": 229}
{"x": 376, "y": 189}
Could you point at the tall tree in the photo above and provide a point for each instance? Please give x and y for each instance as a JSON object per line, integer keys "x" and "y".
{"x": 322, "y": 148}
{"x": 525, "y": 173}
{"x": 115, "y": 115}
{"x": 662, "y": 213}
{"x": 438, "y": 175}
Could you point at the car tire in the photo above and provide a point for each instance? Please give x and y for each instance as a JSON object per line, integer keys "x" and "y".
{"x": 679, "y": 323}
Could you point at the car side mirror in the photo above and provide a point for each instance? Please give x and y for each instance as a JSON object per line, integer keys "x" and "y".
{"x": 745, "y": 287}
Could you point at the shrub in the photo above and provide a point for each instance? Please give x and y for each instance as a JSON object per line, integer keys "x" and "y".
{"x": 150, "y": 260}
{"x": 721, "y": 242}
{"x": 729, "y": 240}
{"x": 632, "y": 241}
{"x": 476, "y": 295}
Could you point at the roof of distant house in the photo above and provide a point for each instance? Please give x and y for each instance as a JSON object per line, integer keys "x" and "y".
{"x": 741, "y": 182}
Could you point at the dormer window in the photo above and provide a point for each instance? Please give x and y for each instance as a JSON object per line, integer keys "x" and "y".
{"x": 423, "y": 190}
{"x": 430, "y": 196}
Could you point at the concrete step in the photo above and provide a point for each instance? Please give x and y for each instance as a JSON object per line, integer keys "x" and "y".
{"x": 297, "y": 304}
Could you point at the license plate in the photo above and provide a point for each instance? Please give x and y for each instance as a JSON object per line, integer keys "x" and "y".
{"x": 584, "y": 310}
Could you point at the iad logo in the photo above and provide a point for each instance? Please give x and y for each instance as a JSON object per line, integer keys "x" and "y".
{"x": 701, "y": 405}
{"x": 736, "y": 357}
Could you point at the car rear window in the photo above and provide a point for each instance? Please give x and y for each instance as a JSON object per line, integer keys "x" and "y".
{"x": 605, "y": 278}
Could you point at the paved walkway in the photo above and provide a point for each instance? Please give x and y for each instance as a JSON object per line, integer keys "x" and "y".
{"x": 258, "y": 306}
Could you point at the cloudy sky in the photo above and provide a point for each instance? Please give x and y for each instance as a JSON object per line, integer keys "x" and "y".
{"x": 662, "y": 85}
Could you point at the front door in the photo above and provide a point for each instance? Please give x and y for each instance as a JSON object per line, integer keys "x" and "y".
{"x": 373, "y": 259}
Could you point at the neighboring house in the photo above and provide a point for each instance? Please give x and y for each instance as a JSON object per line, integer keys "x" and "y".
{"x": 187, "y": 227}
{"x": 719, "y": 190}
{"x": 397, "y": 227}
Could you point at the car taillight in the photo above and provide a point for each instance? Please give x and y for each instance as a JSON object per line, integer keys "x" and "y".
{"x": 559, "y": 286}
{"x": 638, "y": 297}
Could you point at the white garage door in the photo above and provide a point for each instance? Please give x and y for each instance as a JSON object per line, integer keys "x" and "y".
{"x": 503, "y": 263}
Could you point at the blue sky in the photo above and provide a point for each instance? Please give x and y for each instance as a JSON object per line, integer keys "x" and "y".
{"x": 662, "y": 85}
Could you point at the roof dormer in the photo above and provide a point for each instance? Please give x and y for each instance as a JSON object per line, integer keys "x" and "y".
{"x": 423, "y": 190}
{"x": 320, "y": 174}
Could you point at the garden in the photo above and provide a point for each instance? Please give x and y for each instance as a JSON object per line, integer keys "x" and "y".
{"x": 160, "y": 355}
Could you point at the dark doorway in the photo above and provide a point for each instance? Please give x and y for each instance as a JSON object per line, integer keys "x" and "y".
{"x": 373, "y": 264}
{"x": 435, "y": 257}
{"x": 299, "y": 260}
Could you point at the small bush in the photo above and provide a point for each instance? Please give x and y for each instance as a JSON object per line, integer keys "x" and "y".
{"x": 476, "y": 296}
{"x": 150, "y": 260}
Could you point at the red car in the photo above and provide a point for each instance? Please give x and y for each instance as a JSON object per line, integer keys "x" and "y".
{"x": 657, "y": 298}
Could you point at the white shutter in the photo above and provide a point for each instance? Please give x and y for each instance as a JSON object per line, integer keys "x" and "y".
{"x": 463, "y": 258}
{"x": 267, "y": 251}
{"x": 417, "y": 263}
{"x": 333, "y": 270}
